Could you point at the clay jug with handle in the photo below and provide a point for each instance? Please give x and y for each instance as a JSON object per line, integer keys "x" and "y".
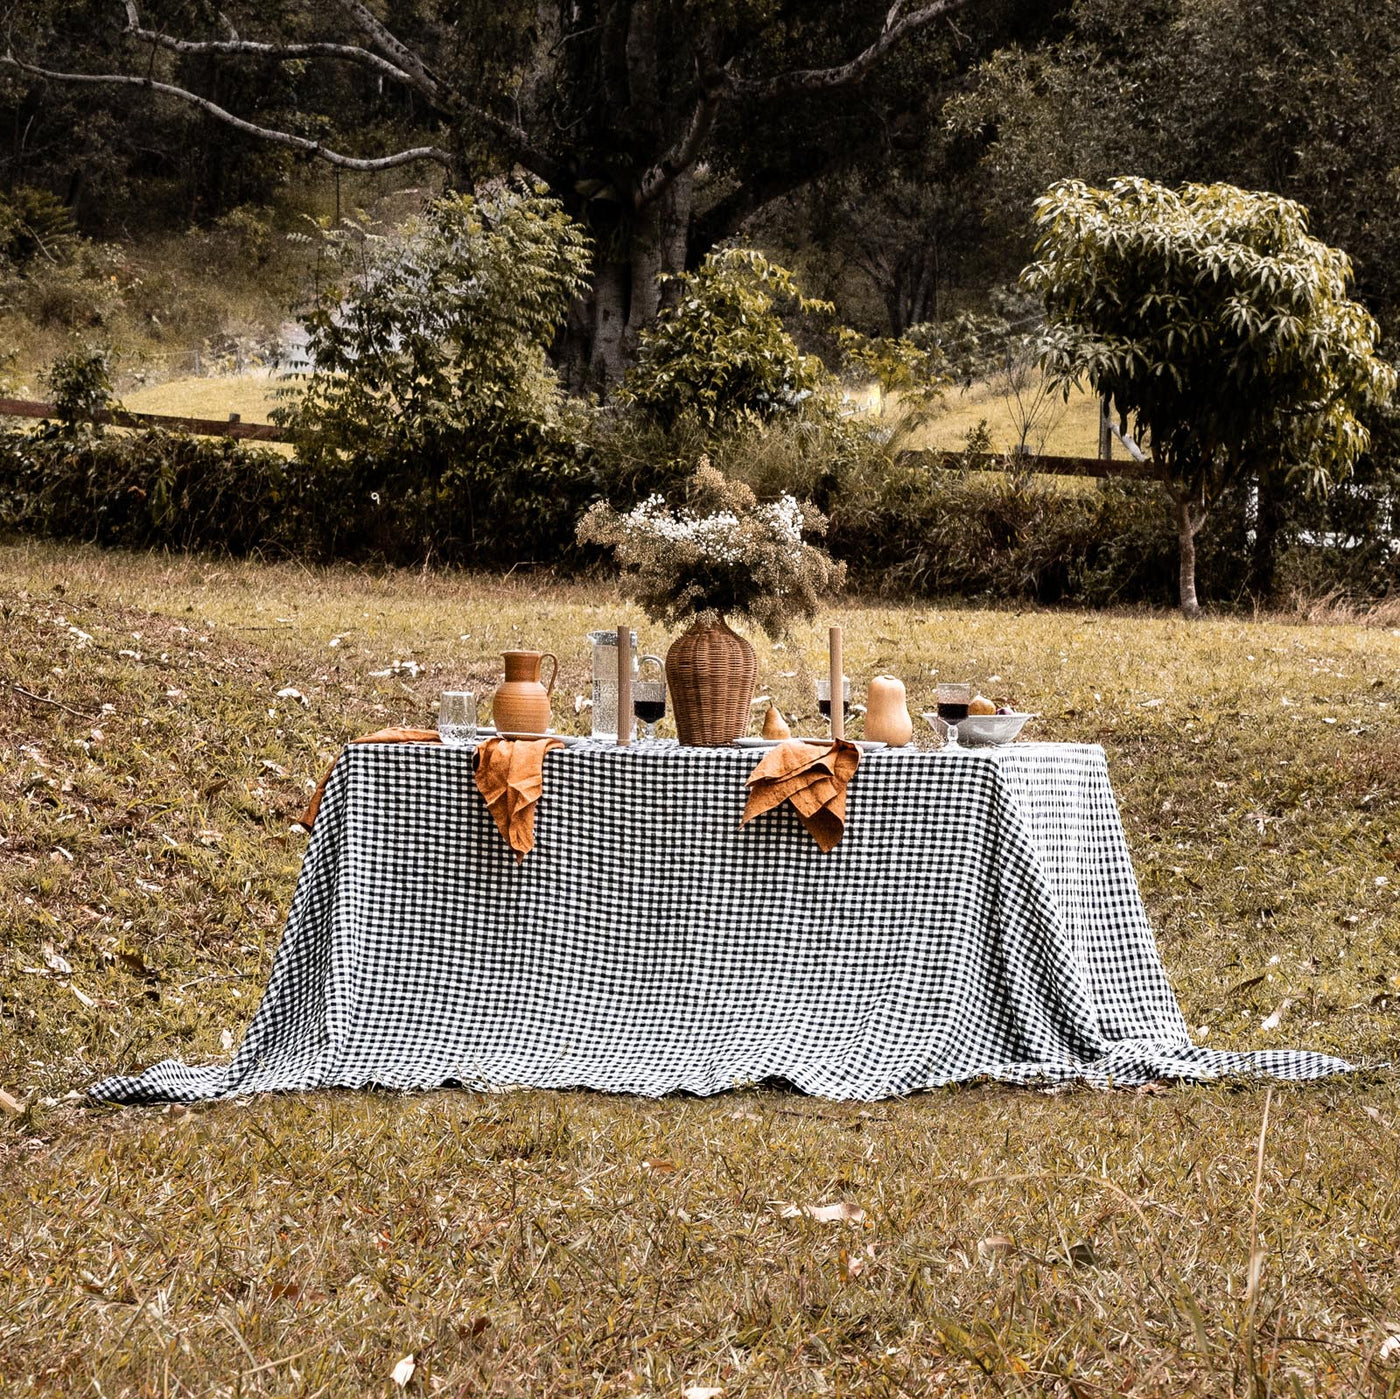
{"x": 521, "y": 704}
{"x": 887, "y": 712}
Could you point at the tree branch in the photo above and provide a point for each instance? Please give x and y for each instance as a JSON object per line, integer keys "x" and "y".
{"x": 686, "y": 150}
{"x": 896, "y": 27}
{"x": 395, "y": 48}
{"x": 448, "y": 100}
{"x": 264, "y": 133}
{"x": 279, "y": 52}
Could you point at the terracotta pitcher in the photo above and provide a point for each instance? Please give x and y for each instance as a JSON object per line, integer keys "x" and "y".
{"x": 521, "y": 704}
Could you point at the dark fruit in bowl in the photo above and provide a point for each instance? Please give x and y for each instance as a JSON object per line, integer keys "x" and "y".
{"x": 1005, "y": 709}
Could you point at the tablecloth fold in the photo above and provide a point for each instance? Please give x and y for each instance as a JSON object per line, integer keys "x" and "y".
{"x": 307, "y": 819}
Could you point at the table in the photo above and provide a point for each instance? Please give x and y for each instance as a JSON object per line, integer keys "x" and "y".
{"x": 980, "y": 918}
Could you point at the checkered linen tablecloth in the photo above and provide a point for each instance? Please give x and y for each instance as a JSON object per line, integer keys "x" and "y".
{"x": 980, "y": 918}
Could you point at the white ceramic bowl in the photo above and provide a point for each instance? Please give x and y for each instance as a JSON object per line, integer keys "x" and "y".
{"x": 986, "y": 730}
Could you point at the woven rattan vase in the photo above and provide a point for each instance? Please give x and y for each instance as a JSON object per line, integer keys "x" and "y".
{"x": 710, "y": 672}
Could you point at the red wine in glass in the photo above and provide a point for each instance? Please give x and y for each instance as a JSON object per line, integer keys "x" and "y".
{"x": 952, "y": 713}
{"x": 824, "y": 707}
{"x": 650, "y": 711}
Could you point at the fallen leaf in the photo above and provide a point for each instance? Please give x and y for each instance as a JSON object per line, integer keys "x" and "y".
{"x": 995, "y": 1246}
{"x": 701, "y": 1391}
{"x": 403, "y": 1371}
{"x": 60, "y": 966}
{"x": 1273, "y": 1021}
{"x": 292, "y": 694}
{"x": 10, "y": 1104}
{"x": 83, "y": 997}
{"x": 1390, "y": 1348}
{"x": 226, "y": 1041}
{"x": 660, "y": 1165}
{"x": 824, "y": 1214}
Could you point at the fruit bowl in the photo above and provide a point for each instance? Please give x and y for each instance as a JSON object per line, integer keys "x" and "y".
{"x": 985, "y": 730}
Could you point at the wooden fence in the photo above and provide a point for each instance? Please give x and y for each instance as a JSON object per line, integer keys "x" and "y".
{"x": 266, "y": 432}
{"x": 199, "y": 427}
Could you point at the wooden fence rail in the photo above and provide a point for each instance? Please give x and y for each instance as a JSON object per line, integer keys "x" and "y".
{"x": 266, "y": 432}
{"x": 199, "y": 427}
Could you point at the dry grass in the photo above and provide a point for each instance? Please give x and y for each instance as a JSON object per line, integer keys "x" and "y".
{"x": 1069, "y": 429}
{"x": 1013, "y": 1243}
{"x": 253, "y": 395}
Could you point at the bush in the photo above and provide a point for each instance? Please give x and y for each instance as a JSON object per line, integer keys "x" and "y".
{"x": 156, "y": 490}
{"x": 432, "y": 422}
{"x": 721, "y": 355}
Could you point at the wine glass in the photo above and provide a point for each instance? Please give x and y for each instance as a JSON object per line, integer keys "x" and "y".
{"x": 457, "y": 718}
{"x": 953, "y": 700}
{"x": 824, "y": 696}
{"x": 649, "y": 704}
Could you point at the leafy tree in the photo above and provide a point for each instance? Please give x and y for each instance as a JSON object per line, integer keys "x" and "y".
{"x": 722, "y": 352}
{"x": 1285, "y": 95}
{"x": 430, "y": 393}
{"x": 660, "y": 124}
{"x": 1219, "y": 328}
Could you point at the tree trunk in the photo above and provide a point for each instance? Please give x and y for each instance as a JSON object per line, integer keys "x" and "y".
{"x": 611, "y": 286}
{"x": 1188, "y": 522}
{"x": 1268, "y": 527}
{"x": 628, "y": 290}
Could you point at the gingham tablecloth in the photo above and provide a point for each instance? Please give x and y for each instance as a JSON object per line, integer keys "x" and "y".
{"x": 980, "y": 918}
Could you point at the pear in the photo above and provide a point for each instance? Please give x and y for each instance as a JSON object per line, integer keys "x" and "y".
{"x": 774, "y": 725}
{"x": 981, "y": 705}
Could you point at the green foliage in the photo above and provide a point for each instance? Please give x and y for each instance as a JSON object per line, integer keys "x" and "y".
{"x": 36, "y": 226}
{"x": 916, "y": 373}
{"x": 1218, "y": 327}
{"x": 431, "y": 396}
{"x": 1283, "y": 95}
{"x": 156, "y": 490}
{"x": 722, "y": 351}
{"x": 80, "y": 383}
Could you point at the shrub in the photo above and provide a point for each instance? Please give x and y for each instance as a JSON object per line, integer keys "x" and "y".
{"x": 431, "y": 398}
{"x": 155, "y": 490}
{"x": 721, "y": 353}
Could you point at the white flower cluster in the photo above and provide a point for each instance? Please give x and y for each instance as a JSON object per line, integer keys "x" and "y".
{"x": 717, "y": 538}
{"x": 784, "y": 515}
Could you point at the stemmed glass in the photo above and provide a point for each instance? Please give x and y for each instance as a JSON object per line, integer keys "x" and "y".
{"x": 953, "y": 700}
{"x": 824, "y": 696}
{"x": 649, "y": 701}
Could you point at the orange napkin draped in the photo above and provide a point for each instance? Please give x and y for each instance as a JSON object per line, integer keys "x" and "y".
{"x": 813, "y": 777}
{"x": 308, "y": 817}
{"x": 510, "y": 775}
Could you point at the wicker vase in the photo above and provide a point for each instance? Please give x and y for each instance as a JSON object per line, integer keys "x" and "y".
{"x": 710, "y": 672}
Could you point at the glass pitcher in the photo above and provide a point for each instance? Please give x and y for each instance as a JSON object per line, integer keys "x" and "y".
{"x": 605, "y": 682}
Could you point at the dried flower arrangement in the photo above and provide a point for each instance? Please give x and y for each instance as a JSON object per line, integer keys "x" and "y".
{"x": 720, "y": 555}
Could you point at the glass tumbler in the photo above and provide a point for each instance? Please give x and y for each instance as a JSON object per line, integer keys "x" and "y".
{"x": 457, "y": 718}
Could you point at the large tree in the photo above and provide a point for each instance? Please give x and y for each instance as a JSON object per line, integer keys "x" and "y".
{"x": 1218, "y": 329}
{"x": 1285, "y": 95}
{"x": 662, "y": 124}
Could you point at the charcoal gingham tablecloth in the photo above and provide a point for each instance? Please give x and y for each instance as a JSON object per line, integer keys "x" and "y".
{"x": 980, "y": 917}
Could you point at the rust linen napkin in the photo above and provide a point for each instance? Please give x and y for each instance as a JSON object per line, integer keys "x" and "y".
{"x": 308, "y": 817}
{"x": 813, "y": 777}
{"x": 510, "y": 775}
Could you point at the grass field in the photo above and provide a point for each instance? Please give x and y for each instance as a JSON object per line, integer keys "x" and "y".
{"x": 1071, "y": 429}
{"x": 252, "y": 395}
{"x": 1013, "y": 1242}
